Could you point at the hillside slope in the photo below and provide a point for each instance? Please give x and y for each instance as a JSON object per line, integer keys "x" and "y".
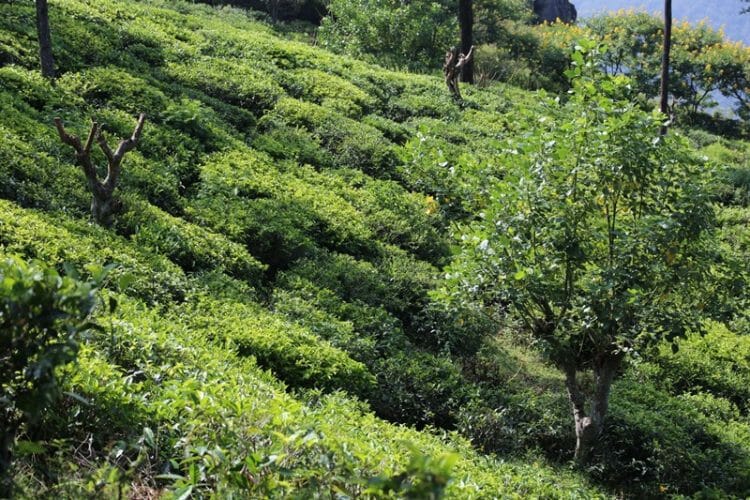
{"x": 261, "y": 229}
{"x": 283, "y": 224}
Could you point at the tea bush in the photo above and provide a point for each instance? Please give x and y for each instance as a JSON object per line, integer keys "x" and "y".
{"x": 717, "y": 363}
{"x": 668, "y": 442}
{"x": 187, "y": 245}
{"x": 230, "y": 81}
{"x": 292, "y": 353}
{"x": 328, "y": 90}
{"x": 285, "y": 220}
{"x": 45, "y": 237}
{"x": 42, "y": 319}
{"x": 352, "y": 143}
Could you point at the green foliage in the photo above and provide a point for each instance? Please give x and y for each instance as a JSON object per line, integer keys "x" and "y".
{"x": 413, "y": 35}
{"x": 702, "y": 60}
{"x": 596, "y": 240}
{"x": 42, "y": 317}
{"x": 531, "y": 412}
{"x": 267, "y": 160}
{"x": 36, "y": 179}
{"x": 667, "y": 442}
{"x": 417, "y": 35}
{"x": 717, "y": 363}
{"x": 292, "y": 353}
{"x": 47, "y": 238}
{"x": 230, "y": 81}
{"x": 113, "y": 87}
{"x": 419, "y": 389}
{"x": 351, "y": 143}
{"x": 328, "y": 90}
{"x": 589, "y": 236}
{"x": 189, "y": 246}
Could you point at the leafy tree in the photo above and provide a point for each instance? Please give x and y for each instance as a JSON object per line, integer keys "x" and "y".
{"x": 416, "y": 34}
{"x": 391, "y": 32}
{"x": 595, "y": 239}
{"x": 702, "y": 61}
{"x": 41, "y": 317}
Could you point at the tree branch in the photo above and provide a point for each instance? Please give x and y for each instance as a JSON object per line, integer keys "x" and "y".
{"x": 66, "y": 138}
{"x": 102, "y": 141}
{"x": 93, "y": 134}
{"x": 129, "y": 144}
{"x": 115, "y": 159}
{"x": 82, "y": 153}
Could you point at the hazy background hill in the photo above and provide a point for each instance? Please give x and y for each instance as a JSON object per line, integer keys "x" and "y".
{"x": 719, "y": 13}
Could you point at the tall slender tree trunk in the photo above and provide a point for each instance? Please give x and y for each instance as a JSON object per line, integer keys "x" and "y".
{"x": 664, "y": 87}
{"x": 466, "y": 22}
{"x": 45, "y": 39}
{"x": 589, "y": 423}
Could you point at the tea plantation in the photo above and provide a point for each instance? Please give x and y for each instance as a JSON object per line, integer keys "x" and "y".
{"x": 268, "y": 314}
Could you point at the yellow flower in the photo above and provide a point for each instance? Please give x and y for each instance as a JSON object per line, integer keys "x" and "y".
{"x": 432, "y": 205}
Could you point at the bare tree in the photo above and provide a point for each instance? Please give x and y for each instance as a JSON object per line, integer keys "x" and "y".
{"x": 455, "y": 62}
{"x": 45, "y": 39}
{"x": 102, "y": 203}
{"x": 664, "y": 88}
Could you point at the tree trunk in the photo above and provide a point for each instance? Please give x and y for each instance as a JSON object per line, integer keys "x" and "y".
{"x": 466, "y": 22}
{"x": 45, "y": 39}
{"x": 6, "y": 455}
{"x": 664, "y": 87}
{"x": 102, "y": 207}
{"x": 589, "y": 424}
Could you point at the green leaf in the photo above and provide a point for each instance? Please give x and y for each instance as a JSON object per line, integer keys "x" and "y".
{"x": 29, "y": 447}
{"x": 183, "y": 493}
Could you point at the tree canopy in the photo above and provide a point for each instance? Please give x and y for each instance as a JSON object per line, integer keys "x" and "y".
{"x": 595, "y": 239}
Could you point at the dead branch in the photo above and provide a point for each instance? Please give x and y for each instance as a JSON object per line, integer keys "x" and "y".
{"x": 102, "y": 190}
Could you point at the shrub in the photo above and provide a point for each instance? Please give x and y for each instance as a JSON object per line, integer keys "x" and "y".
{"x": 717, "y": 363}
{"x": 434, "y": 102}
{"x": 29, "y": 86}
{"x": 296, "y": 356}
{"x": 191, "y": 247}
{"x": 369, "y": 322}
{"x": 411, "y": 221}
{"x": 116, "y": 88}
{"x": 198, "y": 121}
{"x": 419, "y": 389}
{"x": 390, "y": 33}
{"x": 293, "y": 143}
{"x": 326, "y": 325}
{"x": 151, "y": 277}
{"x": 42, "y": 316}
{"x": 36, "y": 179}
{"x": 229, "y": 80}
{"x": 522, "y": 406}
{"x": 352, "y": 144}
{"x": 393, "y": 131}
{"x": 328, "y": 90}
{"x": 276, "y": 232}
{"x": 666, "y": 443}
{"x": 278, "y": 213}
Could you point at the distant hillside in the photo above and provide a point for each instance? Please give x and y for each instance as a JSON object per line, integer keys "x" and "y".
{"x": 720, "y": 14}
